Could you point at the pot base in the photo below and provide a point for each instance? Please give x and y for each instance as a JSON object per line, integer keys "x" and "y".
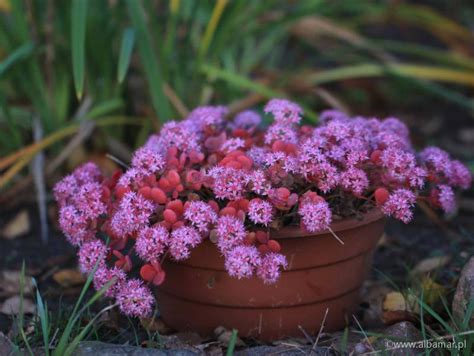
{"x": 265, "y": 324}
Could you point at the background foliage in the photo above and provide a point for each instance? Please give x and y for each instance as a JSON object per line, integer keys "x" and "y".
{"x": 110, "y": 64}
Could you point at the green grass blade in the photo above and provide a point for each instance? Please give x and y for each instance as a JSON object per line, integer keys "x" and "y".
{"x": 435, "y": 315}
{"x": 436, "y": 73}
{"x": 105, "y": 108}
{"x": 61, "y": 346}
{"x": 19, "y": 23}
{"x": 232, "y": 342}
{"x": 239, "y": 81}
{"x": 43, "y": 315}
{"x": 126, "y": 48}
{"x": 75, "y": 317}
{"x": 468, "y": 315}
{"x": 73, "y": 344}
{"x": 78, "y": 40}
{"x": 17, "y": 55}
{"x": 211, "y": 27}
{"x": 344, "y": 341}
{"x": 150, "y": 62}
{"x": 244, "y": 83}
{"x": 21, "y": 317}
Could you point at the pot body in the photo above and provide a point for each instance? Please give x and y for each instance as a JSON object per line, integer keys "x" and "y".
{"x": 199, "y": 295}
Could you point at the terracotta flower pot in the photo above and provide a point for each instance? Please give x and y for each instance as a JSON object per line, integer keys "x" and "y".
{"x": 199, "y": 295}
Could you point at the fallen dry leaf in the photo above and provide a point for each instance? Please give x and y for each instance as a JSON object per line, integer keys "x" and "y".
{"x": 394, "y": 317}
{"x": 396, "y": 309}
{"x": 17, "y": 226}
{"x": 10, "y": 283}
{"x": 394, "y": 301}
{"x": 430, "y": 264}
{"x": 155, "y": 325}
{"x": 11, "y": 306}
{"x": 69, "y": 277}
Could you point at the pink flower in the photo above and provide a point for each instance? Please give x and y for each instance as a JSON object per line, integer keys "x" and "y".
{"x": 91, "y": 254}
{"x": 182, "y": 240}
{"x": 207, "y": 116}
{"x": 337, "y": 129}
{"x": 174, "y": 134}
{"x": 241, "y": 261}
{"x": 328, "y": 115}
{"x": 260, "y": 211}
{"x": 151, "y": 242}
{"x": 395, "y": 126}
{"x": 147, "y": 161}
{"x": 65, "y": 189}
{"x": 133, "y": 214}
{"x": 446, "y": 198}
{"x": 230, "y": 233}
{"x": 228, "y": 183}
{"x": 88, "y": 200}
{"x": 325, "y": 175}
{"x": 399, "y": 164}
{"x": 280, "y": 132}
{"x": 75, "y": 225}
{"x": 284, "y": 111}
{"x": 259, "y": 183}
{"x": 134, "y": 299}
{"x": 246, "y": 120}
{"x": 460, "y": 176}
{"x": 87, "y": 173}
{"x": 400, "y": 204}
{"x": 354, "y": 180}
{"x": 436, "y": 160}
{"x": 201, "y": 215}
{"x": 232, "y": 144}
{"x": 315, "y": 216}
{"x": 130, "y": 178}
{"x": 269, "y": 268}
{"x": 104, "y": 275}
{"x": 257, "y": 155}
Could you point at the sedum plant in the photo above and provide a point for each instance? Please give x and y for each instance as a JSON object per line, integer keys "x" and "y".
{"x": 232, "y": 181}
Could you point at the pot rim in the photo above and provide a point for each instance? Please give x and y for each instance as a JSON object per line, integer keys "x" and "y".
{"x": 289, "y": 232}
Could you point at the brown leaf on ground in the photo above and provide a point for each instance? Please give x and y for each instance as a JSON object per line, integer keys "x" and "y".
{"x": 69, "y": 277}
{"x": 396, "y": 316}
{"x": 10, "y": 284}
{"x": 155, "y": 325}
{"x": 11, "y": 306}
{"x": 396, "y": 308}
{"x": 430, "y": 264}
{"x": 394, "y": 301}
{"x": 16, "y": 227}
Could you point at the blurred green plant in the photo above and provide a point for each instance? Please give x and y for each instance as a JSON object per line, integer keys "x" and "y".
{"x": 75, "y": 61}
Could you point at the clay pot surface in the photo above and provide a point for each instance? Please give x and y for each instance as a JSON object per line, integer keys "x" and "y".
{"x": 199, "y": 295}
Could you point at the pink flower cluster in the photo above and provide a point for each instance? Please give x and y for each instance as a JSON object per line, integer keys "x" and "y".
{"x": 232, "y": 182}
